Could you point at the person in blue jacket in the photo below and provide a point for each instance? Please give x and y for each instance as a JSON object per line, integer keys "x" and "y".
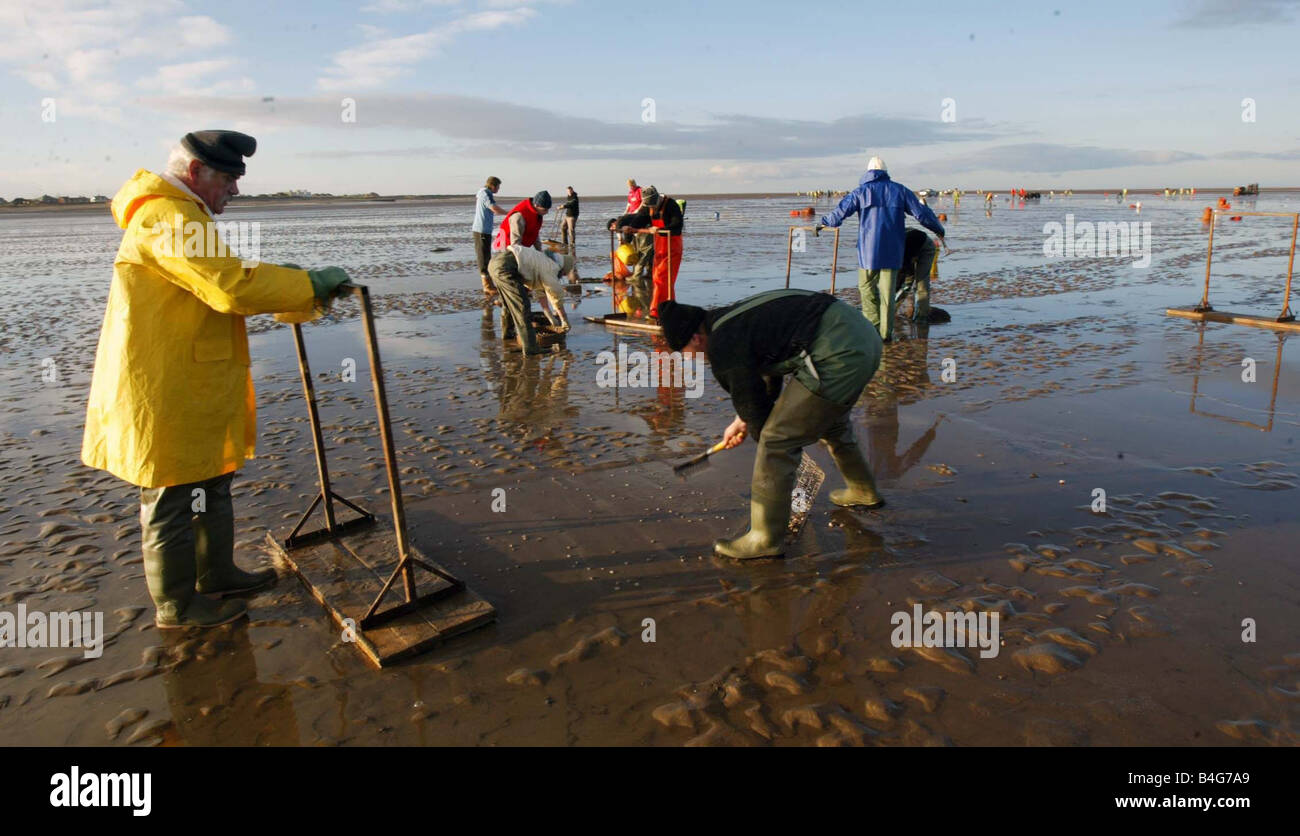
{"x": 880, "y": 204}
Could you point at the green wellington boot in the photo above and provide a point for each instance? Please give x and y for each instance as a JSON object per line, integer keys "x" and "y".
{"x": 861, "y": 490}
{"x": 214, "y": 553}
{"x": 766, "y": 536}
{"x": 171, "y": 585}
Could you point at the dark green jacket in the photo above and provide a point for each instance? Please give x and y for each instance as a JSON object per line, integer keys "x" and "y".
{"x": 755, "y": 342}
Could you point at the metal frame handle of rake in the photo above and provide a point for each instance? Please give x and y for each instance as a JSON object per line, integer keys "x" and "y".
{"x": 613, "y": 274}
{"x": 1286, "y": 315}
{"x": 789, "y": 253}
{"x": 333, "y": 528}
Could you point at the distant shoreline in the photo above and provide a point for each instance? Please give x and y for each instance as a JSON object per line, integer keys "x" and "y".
{"x": 417, "y": 200}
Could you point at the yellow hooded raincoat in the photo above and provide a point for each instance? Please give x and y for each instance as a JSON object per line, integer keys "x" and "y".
{"x": 171, "y": 400}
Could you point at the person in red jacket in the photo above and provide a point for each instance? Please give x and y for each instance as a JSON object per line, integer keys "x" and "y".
{"x": 665, "y": 214}
{"x": 633, "y": 197}
{"x": 523, "y": 223}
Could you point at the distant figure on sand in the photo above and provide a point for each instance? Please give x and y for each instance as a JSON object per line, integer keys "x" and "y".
{"x": 485, "y": 207}
{"x": 880, "y": 204}
{"x": 830, "y": 353}
{"x": 171, "y": 400}
{"x": 633, "y": 197}
{"x": 569, "y": 227}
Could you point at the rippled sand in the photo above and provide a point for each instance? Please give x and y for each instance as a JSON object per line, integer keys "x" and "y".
{"x": 1117, "y": 627}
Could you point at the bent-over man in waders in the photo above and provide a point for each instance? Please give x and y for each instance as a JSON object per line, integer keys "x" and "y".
{"x": 171, "y": 400}
{"x": 829, "y": 350}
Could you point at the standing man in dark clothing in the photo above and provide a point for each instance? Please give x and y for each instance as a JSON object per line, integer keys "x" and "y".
{"x": 831, "y": 351}
{"x": 485, "y": 206}
{"x": 569, "y": 227}
{"x": 665, "y": 221}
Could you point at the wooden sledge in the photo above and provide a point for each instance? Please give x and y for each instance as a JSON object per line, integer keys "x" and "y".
{"x": 346, "y": 565}
{"x": 1205, "y": 312}
{"x": 345, "y": 574}
{"x": 1190, "y": 312}
{"x": 621, "y": 321}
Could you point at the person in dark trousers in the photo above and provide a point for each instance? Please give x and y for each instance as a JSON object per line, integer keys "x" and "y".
{"x": 569, "y": 226}
{"x": 880, "y": 204}
{"x": 829, "y": 350}
{"x": 918, "y": 258}
{"x": 485, "y": 206}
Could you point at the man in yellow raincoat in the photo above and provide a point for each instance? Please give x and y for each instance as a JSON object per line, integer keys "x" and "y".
{"x": 171, "y": 400}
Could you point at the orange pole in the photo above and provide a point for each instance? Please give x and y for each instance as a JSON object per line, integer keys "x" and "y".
{"x": 1205, "y": 296}
{"x": 672, "y": 280}
{"x": 1286, "y": 315}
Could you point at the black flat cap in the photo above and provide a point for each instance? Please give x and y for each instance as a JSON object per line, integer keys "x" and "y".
{"x": 222, "y": 150}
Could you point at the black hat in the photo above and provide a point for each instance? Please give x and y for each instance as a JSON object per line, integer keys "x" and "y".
{"x": 222, "y": 150}
{"x": 680, "y": 322}
{"x": 542, "y": 200}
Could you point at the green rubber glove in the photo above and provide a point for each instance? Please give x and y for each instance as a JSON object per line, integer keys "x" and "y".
{"x": 325, "y": 282}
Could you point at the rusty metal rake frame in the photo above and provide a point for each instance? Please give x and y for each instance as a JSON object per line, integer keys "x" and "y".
{"x": 789, "y": 252}
{"x": 1286, "y": 315}
{"x": 333, "y": 528}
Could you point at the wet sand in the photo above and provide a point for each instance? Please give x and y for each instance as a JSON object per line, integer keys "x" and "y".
{"x": 1121, "y": 627}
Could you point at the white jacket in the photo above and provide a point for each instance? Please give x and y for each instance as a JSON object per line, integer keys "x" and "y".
{"x": 541, "y": 273}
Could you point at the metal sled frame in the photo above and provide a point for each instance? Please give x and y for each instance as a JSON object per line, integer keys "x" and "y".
{"x": 789, "y": 253}
{"x": 1285, "y": 321}
{"x": 615, "y": 298}
{"x": 407, "y": 559}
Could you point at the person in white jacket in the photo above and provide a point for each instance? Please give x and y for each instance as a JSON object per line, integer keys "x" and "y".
{"x": 517, "y": 270}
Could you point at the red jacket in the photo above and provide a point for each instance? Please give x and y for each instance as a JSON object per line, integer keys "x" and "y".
{"x": 532, "y": 226}
{"x": 633, "y": 200}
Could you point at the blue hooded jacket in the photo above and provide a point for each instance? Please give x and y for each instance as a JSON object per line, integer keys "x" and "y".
{"x": 880, "y": 204}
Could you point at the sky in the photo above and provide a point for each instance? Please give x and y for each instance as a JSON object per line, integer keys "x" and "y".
{"x": 695, "y": 97}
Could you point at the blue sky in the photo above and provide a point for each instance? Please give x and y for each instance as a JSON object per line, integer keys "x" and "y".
{"x": 748, "y": 96}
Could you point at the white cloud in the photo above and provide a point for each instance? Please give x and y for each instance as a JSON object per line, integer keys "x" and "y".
{"x": 194, "y": 78}
{"x": 77, "y": 49}
{"x": 378, "y": 61}
{"x": 396, "y": 6}
{"x": 200, "y": 32}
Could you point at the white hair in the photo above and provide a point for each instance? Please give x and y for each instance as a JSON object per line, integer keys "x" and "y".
{"x": 178, "y": 163}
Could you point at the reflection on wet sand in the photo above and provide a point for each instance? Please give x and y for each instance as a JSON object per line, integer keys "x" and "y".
{"x": 1272, "y": 401}
{"x": 902, "y": 379}
{"x": 217, "y": 699}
